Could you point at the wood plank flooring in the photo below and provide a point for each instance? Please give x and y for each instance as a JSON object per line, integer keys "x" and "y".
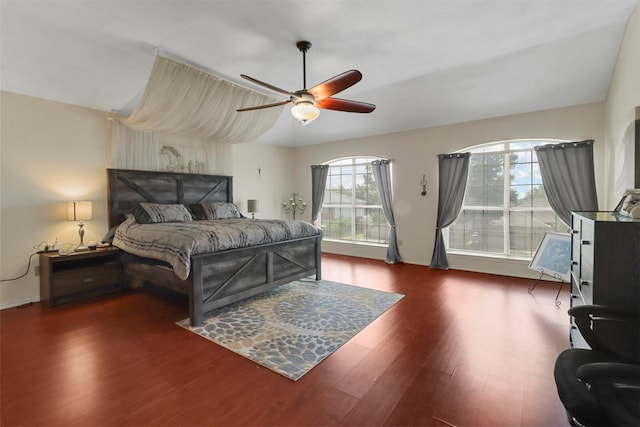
{"x": 461, "y": 349}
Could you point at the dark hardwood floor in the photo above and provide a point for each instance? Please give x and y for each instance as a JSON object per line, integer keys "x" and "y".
{"x": 461, "y": 349}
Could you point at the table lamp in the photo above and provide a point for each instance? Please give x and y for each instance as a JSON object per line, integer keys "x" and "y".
{"x": 252, "y": 207}
{"x": 79, "y": 210}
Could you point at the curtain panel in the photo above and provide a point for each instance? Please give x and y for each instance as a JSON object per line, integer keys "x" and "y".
{"x": 453, "y": 170}
{"x": 382, "y": 176}
{"x": 568, "y": 177}
{"x": 318, "y": 183}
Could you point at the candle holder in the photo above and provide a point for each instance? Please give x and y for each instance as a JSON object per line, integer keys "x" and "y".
{"x": 294, "y": 206}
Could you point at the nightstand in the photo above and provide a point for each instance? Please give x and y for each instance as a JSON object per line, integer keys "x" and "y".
{"x": 79, "y": 275}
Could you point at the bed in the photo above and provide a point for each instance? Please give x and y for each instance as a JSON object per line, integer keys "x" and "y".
{"x": 218, "y": 278}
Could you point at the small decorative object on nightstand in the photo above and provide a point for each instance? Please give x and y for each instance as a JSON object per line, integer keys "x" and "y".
{"x": 294, "y": 205}
{"x": 79, "y": 275}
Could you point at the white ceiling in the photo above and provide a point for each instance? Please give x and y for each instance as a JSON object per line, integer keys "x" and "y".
{"x": 425, "y": 62}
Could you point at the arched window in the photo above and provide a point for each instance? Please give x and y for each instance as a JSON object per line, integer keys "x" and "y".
{"x": 351, "y": 209}
{"x": 505, "y": 210}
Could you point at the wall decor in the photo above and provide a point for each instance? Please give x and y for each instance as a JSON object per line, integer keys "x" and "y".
{"x": 171, "y": 160}
{"x": 423, "y": 182}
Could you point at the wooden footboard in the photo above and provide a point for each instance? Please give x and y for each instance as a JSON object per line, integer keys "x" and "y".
{"x": 222, "y": 278}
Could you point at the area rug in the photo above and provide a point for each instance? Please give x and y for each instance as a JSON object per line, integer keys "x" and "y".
{"x": 292, "y": 328}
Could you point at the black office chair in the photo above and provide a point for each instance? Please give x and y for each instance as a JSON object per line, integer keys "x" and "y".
{"x": 601, "y": 386}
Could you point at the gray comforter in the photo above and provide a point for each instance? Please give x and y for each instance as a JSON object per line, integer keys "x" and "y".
{"x": 175, "y": 243}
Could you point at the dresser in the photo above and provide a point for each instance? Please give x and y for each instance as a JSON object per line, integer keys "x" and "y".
{"x": 605, "y": 263}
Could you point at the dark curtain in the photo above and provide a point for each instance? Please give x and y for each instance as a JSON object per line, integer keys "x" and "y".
{"x": 452, "y": 172}
{"x": 382, "y": 175}
{"x": 568, "y": 177}
{"x": 318, "y": 183}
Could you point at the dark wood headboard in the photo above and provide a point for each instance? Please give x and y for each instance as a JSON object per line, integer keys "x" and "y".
{"x": 127, "y": 188}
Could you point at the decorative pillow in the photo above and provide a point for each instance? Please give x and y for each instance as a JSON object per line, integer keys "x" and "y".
{"x": 150, "y": 213}
{"x": 215, "y": 211}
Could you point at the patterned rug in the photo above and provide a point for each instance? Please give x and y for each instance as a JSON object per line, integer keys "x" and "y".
{"x": 293, "y": 327}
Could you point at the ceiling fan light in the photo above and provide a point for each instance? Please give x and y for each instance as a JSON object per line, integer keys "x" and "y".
{"x": 305, "y": 111}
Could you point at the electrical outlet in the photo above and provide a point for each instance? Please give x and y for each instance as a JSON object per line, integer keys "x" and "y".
{"x": 36, "y": 270}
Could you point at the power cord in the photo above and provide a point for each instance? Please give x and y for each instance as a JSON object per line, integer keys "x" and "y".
{"x": 26, "y": 272}
{"x": 41, "y": 247}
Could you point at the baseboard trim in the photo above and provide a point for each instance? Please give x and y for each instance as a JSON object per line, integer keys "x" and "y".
{"x": 18, "y": 303}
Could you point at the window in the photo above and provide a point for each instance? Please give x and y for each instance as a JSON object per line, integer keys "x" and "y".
{"x": 505, "y": 210}
{"x": 351, "y": 210}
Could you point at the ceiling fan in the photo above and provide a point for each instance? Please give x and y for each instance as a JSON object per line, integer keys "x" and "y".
{"x": 307, "y": 102}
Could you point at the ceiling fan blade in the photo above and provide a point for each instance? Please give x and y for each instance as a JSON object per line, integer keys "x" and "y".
{"x": 267, "y": 85}
{"x": 335, "y": 84}
{"x": 345, "y": 105}
{"x": 260, "y": 107}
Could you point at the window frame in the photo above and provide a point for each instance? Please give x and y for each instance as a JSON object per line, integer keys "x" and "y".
{"x": 354, "y": 207}
{"x": 506, "y": 209}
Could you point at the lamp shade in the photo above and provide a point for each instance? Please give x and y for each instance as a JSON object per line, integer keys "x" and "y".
{"x": 252, "y": 206}
{"x": 79, "y": 210}
{"x": 305, "y": 111}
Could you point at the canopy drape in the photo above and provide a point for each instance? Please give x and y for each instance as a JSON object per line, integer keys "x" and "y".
{"x": 186, "y": 119}
{"x": 132, "y": 149}
{"x": 182, "y": 99}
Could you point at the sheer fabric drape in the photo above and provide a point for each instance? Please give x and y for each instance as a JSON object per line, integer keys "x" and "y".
{"x": 568, "y": 177}
{"x": 318, "y": 183}
{"x": 181, "y": 99}
{"x": 131, "y": 149}
{"x": 382, "y": 175}
{"x": 186, "y": 119}
{"x": 453, "y": 170}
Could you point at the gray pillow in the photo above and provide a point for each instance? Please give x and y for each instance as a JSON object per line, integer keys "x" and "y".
{"x": 216, "y": 211}
{"x": 151, "y": 213}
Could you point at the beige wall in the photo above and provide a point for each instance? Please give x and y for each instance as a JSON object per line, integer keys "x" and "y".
{"x": 415, "y": 153}
{"x": 51, "y": 153}
{"x": 623, "y": 99}
{"x": 262, "y": 172}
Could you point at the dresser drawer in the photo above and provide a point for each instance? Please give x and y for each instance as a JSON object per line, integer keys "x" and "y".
{"x": 585, "y": 283}
{"x": 85, "y": 279}
{"x": 587, "y": 231}
{"x": 576, "y": 293}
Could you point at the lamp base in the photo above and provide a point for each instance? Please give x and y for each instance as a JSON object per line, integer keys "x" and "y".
{"x": 81, "y": 247}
